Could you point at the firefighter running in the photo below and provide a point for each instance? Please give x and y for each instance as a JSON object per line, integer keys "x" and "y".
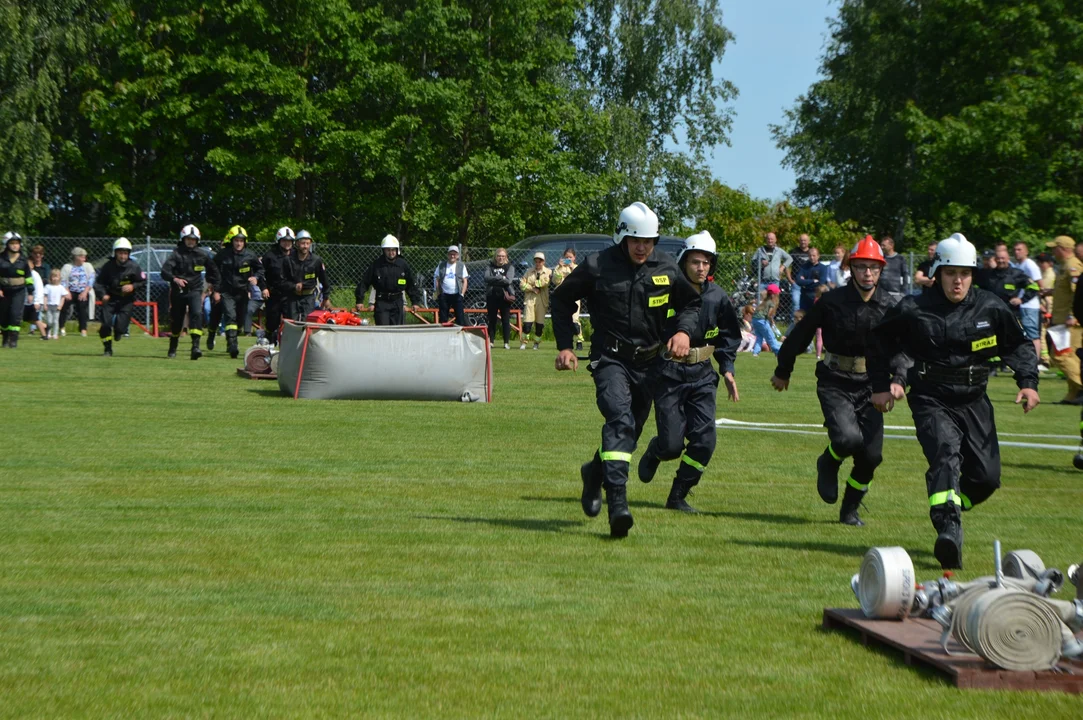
{"x": 389, "y": 276}
{"x": 183, "y": 270}
{"x": 846, "y": 315}
{"x": 630, "y": 289}
{"x": 685, "y": 389}
{"x": 15, "y": 278}
{"x": 240, "y": 270}
{"x": 279, "y": 291}
{"x": 118, "y": 284}
{"x": 951, "y": 333}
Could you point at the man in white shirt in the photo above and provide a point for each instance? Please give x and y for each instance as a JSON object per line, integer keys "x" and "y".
{"x": 1030, "y": 311}
{"x": 449, "y": 284}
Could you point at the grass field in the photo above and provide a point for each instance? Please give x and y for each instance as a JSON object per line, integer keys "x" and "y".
{"x": 175, "y": 540}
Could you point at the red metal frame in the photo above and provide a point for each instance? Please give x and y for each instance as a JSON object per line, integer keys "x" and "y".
{"x": 153, "y": 314}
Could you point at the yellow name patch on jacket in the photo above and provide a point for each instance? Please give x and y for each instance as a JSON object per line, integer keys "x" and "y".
{"x": 402, "y": 281}
{"x": 244, "y": 269}
{"x": 660, "y": 279}
{"x": 983, "y": 343}
{"x": 309, "y": 276}
{"x": 199, "y": 268}
{"x": 658, "y": 300}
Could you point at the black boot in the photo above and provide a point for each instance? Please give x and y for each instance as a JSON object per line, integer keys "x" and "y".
{"x": 210, "y": 340}
{"x": 677, "y": 495}
{"x": 648, "y": 464}
{"x": 174, "y": 341}
{"x": 827, "y": 477}
{"x": 620, "y": 517}
{"x": 949, "y": 540}
{"x": 7, "y": 335}
{"x": 1078, "y": 459}
{"x": 231, "y": 343}
{"x": 851, "y": 501}
{"x": 592, "y": 487}
{"x": 13, "y": 339}
{"x": 107, "y": 348}
{"x": 196, "y": 352}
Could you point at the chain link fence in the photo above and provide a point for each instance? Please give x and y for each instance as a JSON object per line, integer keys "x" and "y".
{"x": 346, "y": 265}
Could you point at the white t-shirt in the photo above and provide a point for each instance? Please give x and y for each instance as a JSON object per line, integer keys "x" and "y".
{"x": 1035, "y": 274}
{"x": 54, "y": 294}
{"x": 448, "y": 286}
{"x": 38, "y": 296}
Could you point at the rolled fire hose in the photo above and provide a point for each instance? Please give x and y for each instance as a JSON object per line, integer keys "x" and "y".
{"x": 257, "y": 360}
{"x": 274, "y": 363}
{"x": 885, "y": 584}
{"x": 1012, "y": 629}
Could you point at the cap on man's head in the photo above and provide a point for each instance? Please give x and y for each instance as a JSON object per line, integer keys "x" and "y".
{"x": 453, "y": 248}
{"x": 539, "y": 255}
{"x": 1044, "y": 257}
{"x": 988, "y": 254}
{"x": 1062, "y": 241}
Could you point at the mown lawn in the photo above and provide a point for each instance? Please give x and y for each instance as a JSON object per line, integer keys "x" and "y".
{"x": 175, "y": 540}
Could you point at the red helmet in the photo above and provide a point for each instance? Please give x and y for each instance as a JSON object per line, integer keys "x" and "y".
{"x": 868, "y": 249}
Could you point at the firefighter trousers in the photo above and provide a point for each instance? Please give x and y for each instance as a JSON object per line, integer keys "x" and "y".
{"x": 623, "y": 393}
{"x": 116, "y": 316}
{"x": 684, "y": 408}
{"x": 855, "y": 428}
{"x": 390, "y": 312}
{"x": 181, "y": 301}
{"x": 959, "y": 440}
{"x": 11, "y": 309}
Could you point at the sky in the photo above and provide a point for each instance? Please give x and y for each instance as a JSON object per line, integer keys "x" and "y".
{"x": 774, "y": 58}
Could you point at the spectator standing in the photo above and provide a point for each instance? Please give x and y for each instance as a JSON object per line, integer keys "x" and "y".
{"x": 56, "y": 296}
{"x": 1049, "y": 279}
{"x": 78, "y": 277}
{"x": 770, "y": 262}
{"x": 499, "y": 295}
{"x": 35, "y": 303}
{"x": 44, "y": 271}
{"x": 450, "y": 281}
{"x": 1063, "y": 295}
{"x": 748, "y": 337}
{"x": 838, "y": 269}
{"x": 801, "y": 260}
{"x": 895, "y": 276}
{"x": 255, "y": 303}
{"x": 561, "y": 271}
{"x": 763, "y": 319}
{"x": 811, "y": 276}
{"x": 923, "y": 275}
{"x": 1030, "y": 310}
{"x": 535, "y": 287}
{"x": 389, "y": 276}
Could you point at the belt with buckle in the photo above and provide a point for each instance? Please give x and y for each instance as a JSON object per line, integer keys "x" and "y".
{"x": 969, "y": 375}
{"x": 627, "y": 351}
{"x": 845, "y": 363}
{"x": 695, "y": 355}
{"x": 389, "y": 296}
{"x": 13, "y": 281}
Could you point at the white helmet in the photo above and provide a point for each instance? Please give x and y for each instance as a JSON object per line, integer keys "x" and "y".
{"x": 389, "y": 241}
{"x": 636, "y": 220}
{"x": 12, "y": 236}
{"x": 702, "y": 242}
{"x": 121, "y": 244}
{"x": 284, "y": 233}
{"x": 190, "y": 231}
{"x": 955, "y": 251}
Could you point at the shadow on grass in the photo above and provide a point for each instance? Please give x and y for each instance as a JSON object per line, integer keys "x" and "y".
{"x": 266, "y": 391}
{"x": 531, "y": 524}
{"x": 1065, "y": 469}
{"x": 631, "y": 503}
{"x": 761, "y": 517}
{"x": 833, "y": 548}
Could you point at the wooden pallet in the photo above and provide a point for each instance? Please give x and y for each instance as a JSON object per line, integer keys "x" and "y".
{"x": 919, "y": 642}
{"x": 256, "y": 376}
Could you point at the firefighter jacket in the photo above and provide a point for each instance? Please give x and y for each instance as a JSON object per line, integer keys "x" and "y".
{"x": 499, "y": 279}
{"x": 847, "y": 322}
{"x": 390, "y": 278}
{"x": 275, "y": 268}
{"x": 113, "y": 276}
{"x": 1007, "y": 283}
{"x": 717, "y": 325}
{"x": 1064, "y": 290}
{"x": 189, "y": 264}
{"x": 949, "y": 341}
{"x": 308, "y": 272}
{"x": 15, "y": 273}
{"x": 627, "y": 302}
{"x": 236, "y": 268}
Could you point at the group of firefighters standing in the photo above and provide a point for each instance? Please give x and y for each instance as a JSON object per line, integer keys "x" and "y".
{"x": 657, "y": 324}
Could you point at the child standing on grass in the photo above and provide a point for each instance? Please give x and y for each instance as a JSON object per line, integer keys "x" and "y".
{"x": 55, "y": 296}
{"x": 763, "y": 319}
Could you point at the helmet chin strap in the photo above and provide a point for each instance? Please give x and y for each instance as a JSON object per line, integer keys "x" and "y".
{"x": 866, "y": 288}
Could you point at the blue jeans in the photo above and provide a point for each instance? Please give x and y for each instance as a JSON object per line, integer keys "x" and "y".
{"x": 764, "y": 333}
{"x": 1028, "y": 317}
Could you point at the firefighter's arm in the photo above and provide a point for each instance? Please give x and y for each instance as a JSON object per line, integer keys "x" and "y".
{"x": 885, "y": 349}
{"x": 686, "y": 301}
{"x": 258, "y": 273}
{"x": 325, "y": 281}
{"x": 1016, "y": 351}
{"x": 729, "y": 336}
{"x": 214, "y": 276}
{"x": 1030, "y": 287}
{"x": 796, "y": 342}
{"x": 412, "y": 290}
